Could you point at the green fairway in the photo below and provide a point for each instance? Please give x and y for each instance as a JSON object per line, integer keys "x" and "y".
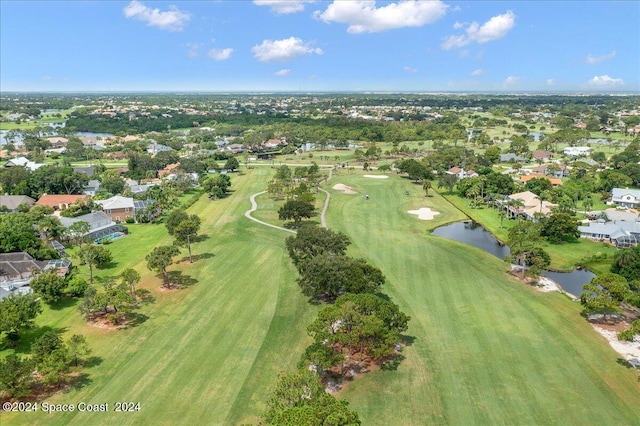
{"x": 206, "y": 354}
{"x": 486, "y": 349}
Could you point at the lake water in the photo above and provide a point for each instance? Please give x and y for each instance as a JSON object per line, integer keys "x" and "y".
{"x": 475, "y": 235}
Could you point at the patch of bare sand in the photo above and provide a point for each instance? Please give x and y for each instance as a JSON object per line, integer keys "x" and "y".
{"x": 377, "y": 176}
{"x": 627, "y": 349}
{"x": 344, "y": 188}
{"x": 424, "y": 213}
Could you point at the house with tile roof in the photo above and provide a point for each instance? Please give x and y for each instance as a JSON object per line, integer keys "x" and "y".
{"x": 531, "y": 206}
{"x": 60, "y": 201}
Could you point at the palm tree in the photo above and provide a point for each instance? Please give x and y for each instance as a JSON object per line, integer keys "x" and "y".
{"x": 514, "y": 206}
{"x": 426, "y": 185}
{"x": 502, "y": 214}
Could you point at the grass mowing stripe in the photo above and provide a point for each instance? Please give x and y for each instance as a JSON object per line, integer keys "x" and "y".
{"x": 497, "y": 352}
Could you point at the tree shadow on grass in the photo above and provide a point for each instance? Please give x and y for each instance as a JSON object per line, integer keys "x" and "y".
{"x": 28, "y": 336}
{"x": 393, "y": 363}
{"x": 134, "y": 319}
{"x": 197, "y": 257}
{"x": 63, "y": 303}
{"x": 201, "y": 237}
{"x": 78, "y": 382}
{"x": 92, "y": 361}
{"x": 179, "y": 280}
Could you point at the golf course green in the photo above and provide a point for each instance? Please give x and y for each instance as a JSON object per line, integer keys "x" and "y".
{"x": 484, "y": 348}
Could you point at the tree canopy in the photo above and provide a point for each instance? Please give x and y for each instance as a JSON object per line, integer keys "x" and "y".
{"x": 311, "y": 241}
{"x": 329, "y": 276}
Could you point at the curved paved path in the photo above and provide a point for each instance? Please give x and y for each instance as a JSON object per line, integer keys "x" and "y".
{"x": 254, "y": 207}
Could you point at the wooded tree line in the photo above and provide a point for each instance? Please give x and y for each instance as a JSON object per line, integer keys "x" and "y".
{"x": 358, "y": 325}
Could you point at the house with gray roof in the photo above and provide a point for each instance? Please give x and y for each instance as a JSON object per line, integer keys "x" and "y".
{"x": 19, "y": 268}
{"x": 625, "y": 197}
{"x": 10, "y": 203}
{"x": 620, "y": 233}
{"x": 100, "y": 224}
{"x": 92, "y": 187}
{"x": 510, "y": 157}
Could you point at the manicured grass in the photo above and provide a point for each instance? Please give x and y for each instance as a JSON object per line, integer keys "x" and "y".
{"x": 206, "y": 354}
{"x": 486, "y": 349}
{"x": 564, "y": 257}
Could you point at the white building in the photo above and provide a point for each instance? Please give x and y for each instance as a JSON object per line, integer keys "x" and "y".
{"x": 577, "y": 151}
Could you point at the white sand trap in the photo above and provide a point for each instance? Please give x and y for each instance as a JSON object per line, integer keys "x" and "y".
{"x": 344, "y": 188}
{"x": 425, "y": 213}
{"x": 376, "y": 176}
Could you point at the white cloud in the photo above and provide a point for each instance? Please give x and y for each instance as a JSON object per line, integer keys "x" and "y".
{"x": 363, "y": 16}
{"x": 550, "y": 82}
{"x": 511, "y": 81}
{"x": 477, "y": 72}
{"x": 283, "y": 50}
{"x": 282, "y": 72}
{"x": 409, "y": 69}
{"x": 283, "y": 7}
{"x": 193, "y": 50}
{"x": 220, "y": 54}
{"x": 494, "y": 29}
{"x": 597, "y": 59}
{"x": 172, "y": 20}
{"x": 458, "y": 25}
{"x": 605, "y": 81}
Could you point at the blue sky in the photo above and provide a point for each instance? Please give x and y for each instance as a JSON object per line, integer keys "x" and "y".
{"x": 319, "y": 46}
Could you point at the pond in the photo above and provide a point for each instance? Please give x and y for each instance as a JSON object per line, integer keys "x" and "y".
{"x": 474, "y": 234}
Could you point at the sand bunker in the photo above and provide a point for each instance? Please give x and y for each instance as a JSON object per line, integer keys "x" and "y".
{"x": 344, "y": 188}
{"x": 376, "y": 176}
{"x": 425, "y": 213}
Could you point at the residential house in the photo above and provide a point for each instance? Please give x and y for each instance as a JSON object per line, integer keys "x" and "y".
{"x": 170, "y": 168}
{"x": 513, "y": 158}
{"x": 553, "y": 170}
{"x": 625, "y": 197}
{"x": 540, "y": 155}
{"x": 461, "y": 173}
{"x": 60, "y": 201}
{"x": 58, "y": 142}
{"x": 154, "y": 148}
{"x": 23, "y": 162}
{"x": 531, "y": 206}
{"x": 18, "y": 269}
{"x": 10, "y": 203}
{"x": 577, "y": 151}
{"x": 92, "y": 187}
{"x": 119, "y": 208}
{"x": 619, "y": 233}
{"x": 235, "y": 148}
{"x": 554, "y": 181}
{"x": 100, "y": 224}
{"x": 89, "y": 170}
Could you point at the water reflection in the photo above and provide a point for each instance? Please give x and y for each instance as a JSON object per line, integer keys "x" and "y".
{"x": 474, "y": 234}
